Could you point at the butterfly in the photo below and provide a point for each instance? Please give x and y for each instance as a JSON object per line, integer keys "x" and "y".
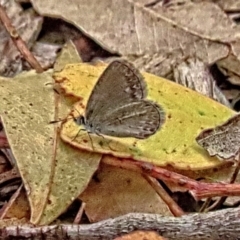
{"x": 118, "y": 106}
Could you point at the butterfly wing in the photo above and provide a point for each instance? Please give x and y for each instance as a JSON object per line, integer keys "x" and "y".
{"x": 138, "y": 119}
{"x": 121, "y": 82}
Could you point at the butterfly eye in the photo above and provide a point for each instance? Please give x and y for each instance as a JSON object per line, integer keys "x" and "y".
{"x": 79, "y": 120}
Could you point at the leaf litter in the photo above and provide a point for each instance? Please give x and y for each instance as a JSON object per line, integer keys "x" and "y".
{"x": 114, "y": 192}
{"x": 53, "y": 199}
{"x": 185, "y": 109}
{"x": 171, "y": 34}
{"x": 42, "y": 174}
{"x": 28, "y": 26}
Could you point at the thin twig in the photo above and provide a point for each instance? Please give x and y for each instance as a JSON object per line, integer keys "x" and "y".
{"x": 220, "y": 201}
{"x": 80, "y": 213}
{"x": 18, "y": 41}
{"x": 198, "y": 190}
{"x": 172, "y": 205}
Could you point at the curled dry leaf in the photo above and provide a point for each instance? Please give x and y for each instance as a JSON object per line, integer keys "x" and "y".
{"x": 229, "y": 66}
{"x": 45, "y": 54}
{"x": 187, "y": 112}
{"x": 222, "y": 141}
{"x": 194, "y": 74}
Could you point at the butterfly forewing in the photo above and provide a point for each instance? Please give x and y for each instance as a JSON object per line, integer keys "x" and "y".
{"x": 138, "y": 119}
{"x": 119, "y": 83}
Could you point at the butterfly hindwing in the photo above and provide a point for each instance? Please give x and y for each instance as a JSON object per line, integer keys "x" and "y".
{"x": 139, "y": 119}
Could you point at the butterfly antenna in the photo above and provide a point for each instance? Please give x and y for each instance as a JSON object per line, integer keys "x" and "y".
{"x": 56, "y": 121}
{"x": 61, "y": 120}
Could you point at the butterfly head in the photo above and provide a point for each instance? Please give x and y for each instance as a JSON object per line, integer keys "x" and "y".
{"x": 80, "y": 120}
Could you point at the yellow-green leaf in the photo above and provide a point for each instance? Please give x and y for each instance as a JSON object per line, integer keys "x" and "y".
{"x": 187, "y": 113}
{"x": 53, "y": 176}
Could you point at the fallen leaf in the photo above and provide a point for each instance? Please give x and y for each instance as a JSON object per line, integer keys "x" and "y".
{"x": 194, "y": 74}
{"x": 172, "y": 34}
{"x": 188, "y": 17}
{"x": 72, "y": 173}
{"x": 141, "y": 235}
{"x": 69, "y": 54}
{"x": 53, "y": 176}
{"x": 223, "y": 140}
{"x": 114, "y": 192}
{"x": 230, "y": 5}
{"x": 45, "y": 54}
{"x": 74, "y": 168}
{"x": 13, "y": 222}
{"x": 187, "y": 113}
{"x": 19, "y": 208}
{"x": 25, "y": 113}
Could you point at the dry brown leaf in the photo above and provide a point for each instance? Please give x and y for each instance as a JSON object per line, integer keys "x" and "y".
{"x": 159, "y": 24}
{"x": 141, "y": 235}
{"x": 115, "y": 192}
{"x": 223, "y": 140}
{"x": 13, "y": 222}
{"x": 45, "y": 54}
{"x": 19, "y": 208}
{"x": 189, "y": 16}
{"x": 229, "y": 5}
{"x": 156, "y": 36}
{"x": 230, "y": 65}
{"x": 194, "y": 74}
